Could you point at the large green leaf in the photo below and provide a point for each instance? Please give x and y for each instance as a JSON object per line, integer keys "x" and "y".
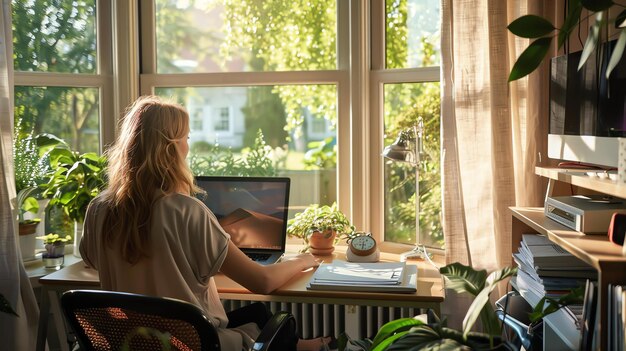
{"x": 481, "y": 301}
{"x": 596, "y": 5}
{"x": 60, "y": 156}
{"x": 617, "y": 54}
{"x": 30, "y": 204}
{"x": 427, "y": 338}
{"x": 530, "y": 26}
{"x": 462, "y": 278}
{"x": 548, "y": 305}
{"x": 530, "y": 59}
{"x": 384, "y": 344}
{"x": 592, "y": 39}
{"x": 570, "y": 22}
{"x": 394, "y": 327}
{"x": 47, "y": 141}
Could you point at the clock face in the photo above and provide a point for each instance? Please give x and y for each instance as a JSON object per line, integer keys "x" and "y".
{"x": 363, "y": 243}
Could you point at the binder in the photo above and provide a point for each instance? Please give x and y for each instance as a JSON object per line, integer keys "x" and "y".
{"x": 395, "y": 277}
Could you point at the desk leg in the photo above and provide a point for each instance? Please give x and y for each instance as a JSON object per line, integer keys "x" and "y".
{"x": 59, "y": 320}
{"x": 44, "y": 313}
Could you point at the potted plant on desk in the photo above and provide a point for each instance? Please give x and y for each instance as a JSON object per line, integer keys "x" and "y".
{"x": 55, "y": 249}
{"x": 320, "y": 227}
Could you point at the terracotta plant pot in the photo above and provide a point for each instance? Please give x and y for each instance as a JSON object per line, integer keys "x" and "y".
{"x": 322, "y": 243}
{"x": 28, "y": 232}
{"x": 28, "y": 228}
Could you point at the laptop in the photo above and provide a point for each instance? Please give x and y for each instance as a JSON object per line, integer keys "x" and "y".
{"x": 253, "y": 210}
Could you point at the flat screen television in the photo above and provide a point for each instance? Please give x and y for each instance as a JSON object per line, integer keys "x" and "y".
{"x": 587, "y": 111}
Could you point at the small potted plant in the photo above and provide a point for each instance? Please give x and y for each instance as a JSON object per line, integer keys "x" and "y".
{"x": 320, "y": 227}
{"x": 55, "y": 249}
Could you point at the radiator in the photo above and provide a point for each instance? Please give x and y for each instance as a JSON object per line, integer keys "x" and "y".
{"x": 316, "y": 320}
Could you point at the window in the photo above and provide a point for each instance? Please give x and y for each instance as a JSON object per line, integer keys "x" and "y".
{"x": 222, "y": 123}
{"x": 290, "y": 79}
{"x": 318, "y": 126}
{"x": 60, "y": 65}
{"x": 62, "y": 61}
{"x": 197, "y": 122}
{"x": 262, "y": 82}
{"x": 311, "y": 92}
{"x": 407, "y": 80}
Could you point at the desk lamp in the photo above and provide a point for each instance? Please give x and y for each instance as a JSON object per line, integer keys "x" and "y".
{"x": 407, "y": 148}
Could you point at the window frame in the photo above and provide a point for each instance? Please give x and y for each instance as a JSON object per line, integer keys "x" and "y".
{"x": 379, "y": 75}
{"x": 101, "y": 80}
{"x": 149, "y": 79}
{"x": 130, "y": 68}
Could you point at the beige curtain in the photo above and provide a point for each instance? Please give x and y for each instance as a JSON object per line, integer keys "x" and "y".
{"x": 18, "y": 333}
{"x": 492, "y": 134}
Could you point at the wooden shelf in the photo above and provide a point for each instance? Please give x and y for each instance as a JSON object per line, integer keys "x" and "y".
{"x": 579, "y": 177}
{"x": 595, "y": 250}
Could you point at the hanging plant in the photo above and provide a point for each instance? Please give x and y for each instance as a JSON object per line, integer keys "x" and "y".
{"x": 543, "y": 32}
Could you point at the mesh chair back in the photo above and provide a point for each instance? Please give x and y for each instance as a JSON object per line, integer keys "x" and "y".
{"x": 106, "y": 320}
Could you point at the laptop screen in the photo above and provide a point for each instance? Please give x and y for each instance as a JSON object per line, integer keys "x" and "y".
{"x": 253, "y": 210}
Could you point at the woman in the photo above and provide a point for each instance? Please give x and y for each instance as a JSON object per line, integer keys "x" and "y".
{"x": 147, "y": 233}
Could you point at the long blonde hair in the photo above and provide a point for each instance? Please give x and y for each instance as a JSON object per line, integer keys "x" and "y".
{"x": 145, "y": 163}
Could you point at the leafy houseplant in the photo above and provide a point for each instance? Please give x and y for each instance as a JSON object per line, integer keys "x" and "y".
{"x": 318, "y": 226}
{"x": 74, "y": 180}
{"x": 413, "y": 334}
{"x": 540, "y": 29}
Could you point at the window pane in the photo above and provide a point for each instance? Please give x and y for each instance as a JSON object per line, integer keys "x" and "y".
{"x": 412, "y": 33}
{"x": 57, "y": 36}
{"x": 245, "y": 36}
{"x": 69, "y": 113}
{"x": 405, "y": 104}
{"x": 263, "y": 131}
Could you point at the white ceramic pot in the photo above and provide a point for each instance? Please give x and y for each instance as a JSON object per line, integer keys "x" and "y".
{"x": 78, "y": 235}
{"x": 27, "y": 246}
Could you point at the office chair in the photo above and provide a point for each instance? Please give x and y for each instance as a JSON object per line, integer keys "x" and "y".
{"x": 107, "y": 320}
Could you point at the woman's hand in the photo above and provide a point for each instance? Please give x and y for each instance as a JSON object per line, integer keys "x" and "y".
{"x": 264, "y": 279}
{"x": 306, "y": 260}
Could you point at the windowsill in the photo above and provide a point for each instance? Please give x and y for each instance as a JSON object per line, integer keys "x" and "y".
{"x": 438, "y": 256}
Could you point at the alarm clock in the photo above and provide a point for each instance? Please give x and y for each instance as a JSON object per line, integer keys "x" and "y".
{"x": 362, "y": 248}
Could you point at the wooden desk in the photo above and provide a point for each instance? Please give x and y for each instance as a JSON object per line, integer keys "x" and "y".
{"x": 74, "y": 276}
{"x": 429, "y": 291}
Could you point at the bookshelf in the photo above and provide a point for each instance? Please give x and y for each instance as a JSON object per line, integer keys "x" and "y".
{"x": 595, "y": 250}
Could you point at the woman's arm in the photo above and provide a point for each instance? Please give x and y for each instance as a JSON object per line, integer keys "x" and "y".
{"x": 263, "y": 279}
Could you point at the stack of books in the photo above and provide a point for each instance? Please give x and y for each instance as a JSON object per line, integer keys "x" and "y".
{"x": 547, "y": 270}
{"x": 368, "y": 277}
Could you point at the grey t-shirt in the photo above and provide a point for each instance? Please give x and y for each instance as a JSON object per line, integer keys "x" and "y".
{"x": 188, "y": 248}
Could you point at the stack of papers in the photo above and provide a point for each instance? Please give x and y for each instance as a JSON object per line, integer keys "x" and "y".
{"x": 374, "y": 277}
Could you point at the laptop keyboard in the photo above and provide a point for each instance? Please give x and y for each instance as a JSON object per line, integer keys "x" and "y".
{"x": 258, "y": 256}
